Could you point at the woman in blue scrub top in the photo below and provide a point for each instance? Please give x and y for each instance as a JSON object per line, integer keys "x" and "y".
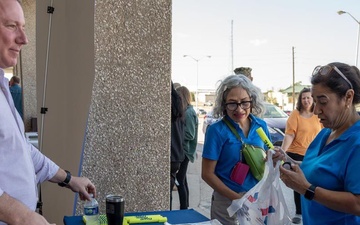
{"x": 237, "y": 100}
{"x": 329, "y": 177}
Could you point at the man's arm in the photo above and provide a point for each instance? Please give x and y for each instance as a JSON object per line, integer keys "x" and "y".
{"x": 14, "y": 212}
{"x": 81, "y": 185}
{"x": 47, "y": 170}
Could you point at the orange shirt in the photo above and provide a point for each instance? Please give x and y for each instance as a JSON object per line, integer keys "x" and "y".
{"x": 304, "y": 131}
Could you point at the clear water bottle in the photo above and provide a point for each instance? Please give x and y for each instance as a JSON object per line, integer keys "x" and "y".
{"x": 91, "y": 211}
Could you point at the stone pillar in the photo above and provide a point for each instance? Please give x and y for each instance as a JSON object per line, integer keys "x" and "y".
{"x": 108, "y": 100}
{"x": 128, "y": 136}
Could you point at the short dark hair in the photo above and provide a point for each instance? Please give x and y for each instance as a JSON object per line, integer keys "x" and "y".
{"x": 177, "y": 111}
{"x": 337, "y": 83}
{"x": 16, "y": 79}
{"x": 246, "y": 71}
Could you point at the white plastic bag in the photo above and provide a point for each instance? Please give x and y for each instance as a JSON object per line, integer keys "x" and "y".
{"x": 264, "y": 204}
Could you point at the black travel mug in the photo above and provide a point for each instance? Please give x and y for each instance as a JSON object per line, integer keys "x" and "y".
{"x": 115, "y": 209}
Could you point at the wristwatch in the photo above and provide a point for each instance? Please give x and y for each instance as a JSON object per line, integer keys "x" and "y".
{"x": 310, "y": 192}
{"x": 67, "y": 179}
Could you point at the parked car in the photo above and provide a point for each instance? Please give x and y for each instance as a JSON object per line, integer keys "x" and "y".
{"x": 288, "y": 112}
{"x": 277, "y": 136}
{"x": 208, "y": 103}
{"x": 200, "y": 112}
{"x": 275, "y": 117}
{"x": 32, "y": 137}
{"x": 208, "y": 120}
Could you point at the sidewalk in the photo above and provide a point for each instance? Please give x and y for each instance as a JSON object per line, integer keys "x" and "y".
{"x": 200, "y": 192}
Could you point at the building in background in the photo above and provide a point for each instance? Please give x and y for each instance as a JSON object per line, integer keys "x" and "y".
{"x": 288, "y": 95}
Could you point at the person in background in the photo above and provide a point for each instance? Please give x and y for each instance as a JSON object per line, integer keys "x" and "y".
{"x": 16, "y": 94}
{"x": 177, "y": 85}
{"x": 246, "y": 71}
{"x": 189, "y": 145}
{"x": 177, "y": 137}
{"x": 236, "y": 100}
{"x": 328, "y": 177}
{"x": 301, "y": 128}
{"x": 22, "y": 166}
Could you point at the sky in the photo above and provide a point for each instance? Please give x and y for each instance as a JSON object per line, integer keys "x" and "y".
{"x": 260, "y": 34}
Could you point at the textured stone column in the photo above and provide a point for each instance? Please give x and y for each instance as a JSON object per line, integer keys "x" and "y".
{"x": 128, "y": 136}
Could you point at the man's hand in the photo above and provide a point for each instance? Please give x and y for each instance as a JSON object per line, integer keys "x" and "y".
{"x": 83, "y": 186}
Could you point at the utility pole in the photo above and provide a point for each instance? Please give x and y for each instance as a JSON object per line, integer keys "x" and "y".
{"x": 293, "y": 83}
{"x": 232, "y": 44}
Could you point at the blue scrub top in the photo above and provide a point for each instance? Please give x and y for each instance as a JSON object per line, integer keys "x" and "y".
{"x": 334, "y": 167}
{"x": 222, "y": 146}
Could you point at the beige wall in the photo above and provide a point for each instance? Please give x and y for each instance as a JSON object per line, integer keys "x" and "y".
{"x": 68, "y": 91}
{"x": 108, "y": 99}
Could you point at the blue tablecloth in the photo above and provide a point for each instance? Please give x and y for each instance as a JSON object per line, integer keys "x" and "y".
{"x": 173, "y": 217}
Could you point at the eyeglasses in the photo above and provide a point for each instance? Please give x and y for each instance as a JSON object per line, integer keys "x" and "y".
{"x": 234, "y": 105}
{"x": 325, "y": 70}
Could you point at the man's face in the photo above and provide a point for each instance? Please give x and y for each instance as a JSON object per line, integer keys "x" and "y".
{"x": 12, "y": 34}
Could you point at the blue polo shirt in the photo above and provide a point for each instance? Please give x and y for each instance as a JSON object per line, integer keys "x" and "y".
{"x": 222, "y": 146}
{"x": 334, "y": 167}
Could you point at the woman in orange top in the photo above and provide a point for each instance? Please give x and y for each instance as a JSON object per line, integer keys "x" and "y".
{"x": 301, "y": 128}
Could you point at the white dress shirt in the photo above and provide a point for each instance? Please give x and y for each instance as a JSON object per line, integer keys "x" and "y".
{"x": 22, "y": 166}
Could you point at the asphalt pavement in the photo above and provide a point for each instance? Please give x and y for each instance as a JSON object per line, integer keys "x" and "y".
{"x": 200, "y": 192}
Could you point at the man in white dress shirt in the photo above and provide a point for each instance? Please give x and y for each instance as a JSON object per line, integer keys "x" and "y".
{"x": 22, "y": 166}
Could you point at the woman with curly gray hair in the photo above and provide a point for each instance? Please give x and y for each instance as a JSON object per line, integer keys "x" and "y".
{"x": 237, "y": 103}
{"x": 232, "y": 81}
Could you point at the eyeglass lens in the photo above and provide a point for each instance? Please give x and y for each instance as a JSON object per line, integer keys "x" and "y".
{"x": 235, "y": 105}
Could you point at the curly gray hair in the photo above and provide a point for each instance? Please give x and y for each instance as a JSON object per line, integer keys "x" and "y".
{"x": 233, "y": 81}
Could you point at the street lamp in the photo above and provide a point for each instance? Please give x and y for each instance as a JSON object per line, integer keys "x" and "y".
{"x": 358, "y": 34}
{"x": 197, "y": 75}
